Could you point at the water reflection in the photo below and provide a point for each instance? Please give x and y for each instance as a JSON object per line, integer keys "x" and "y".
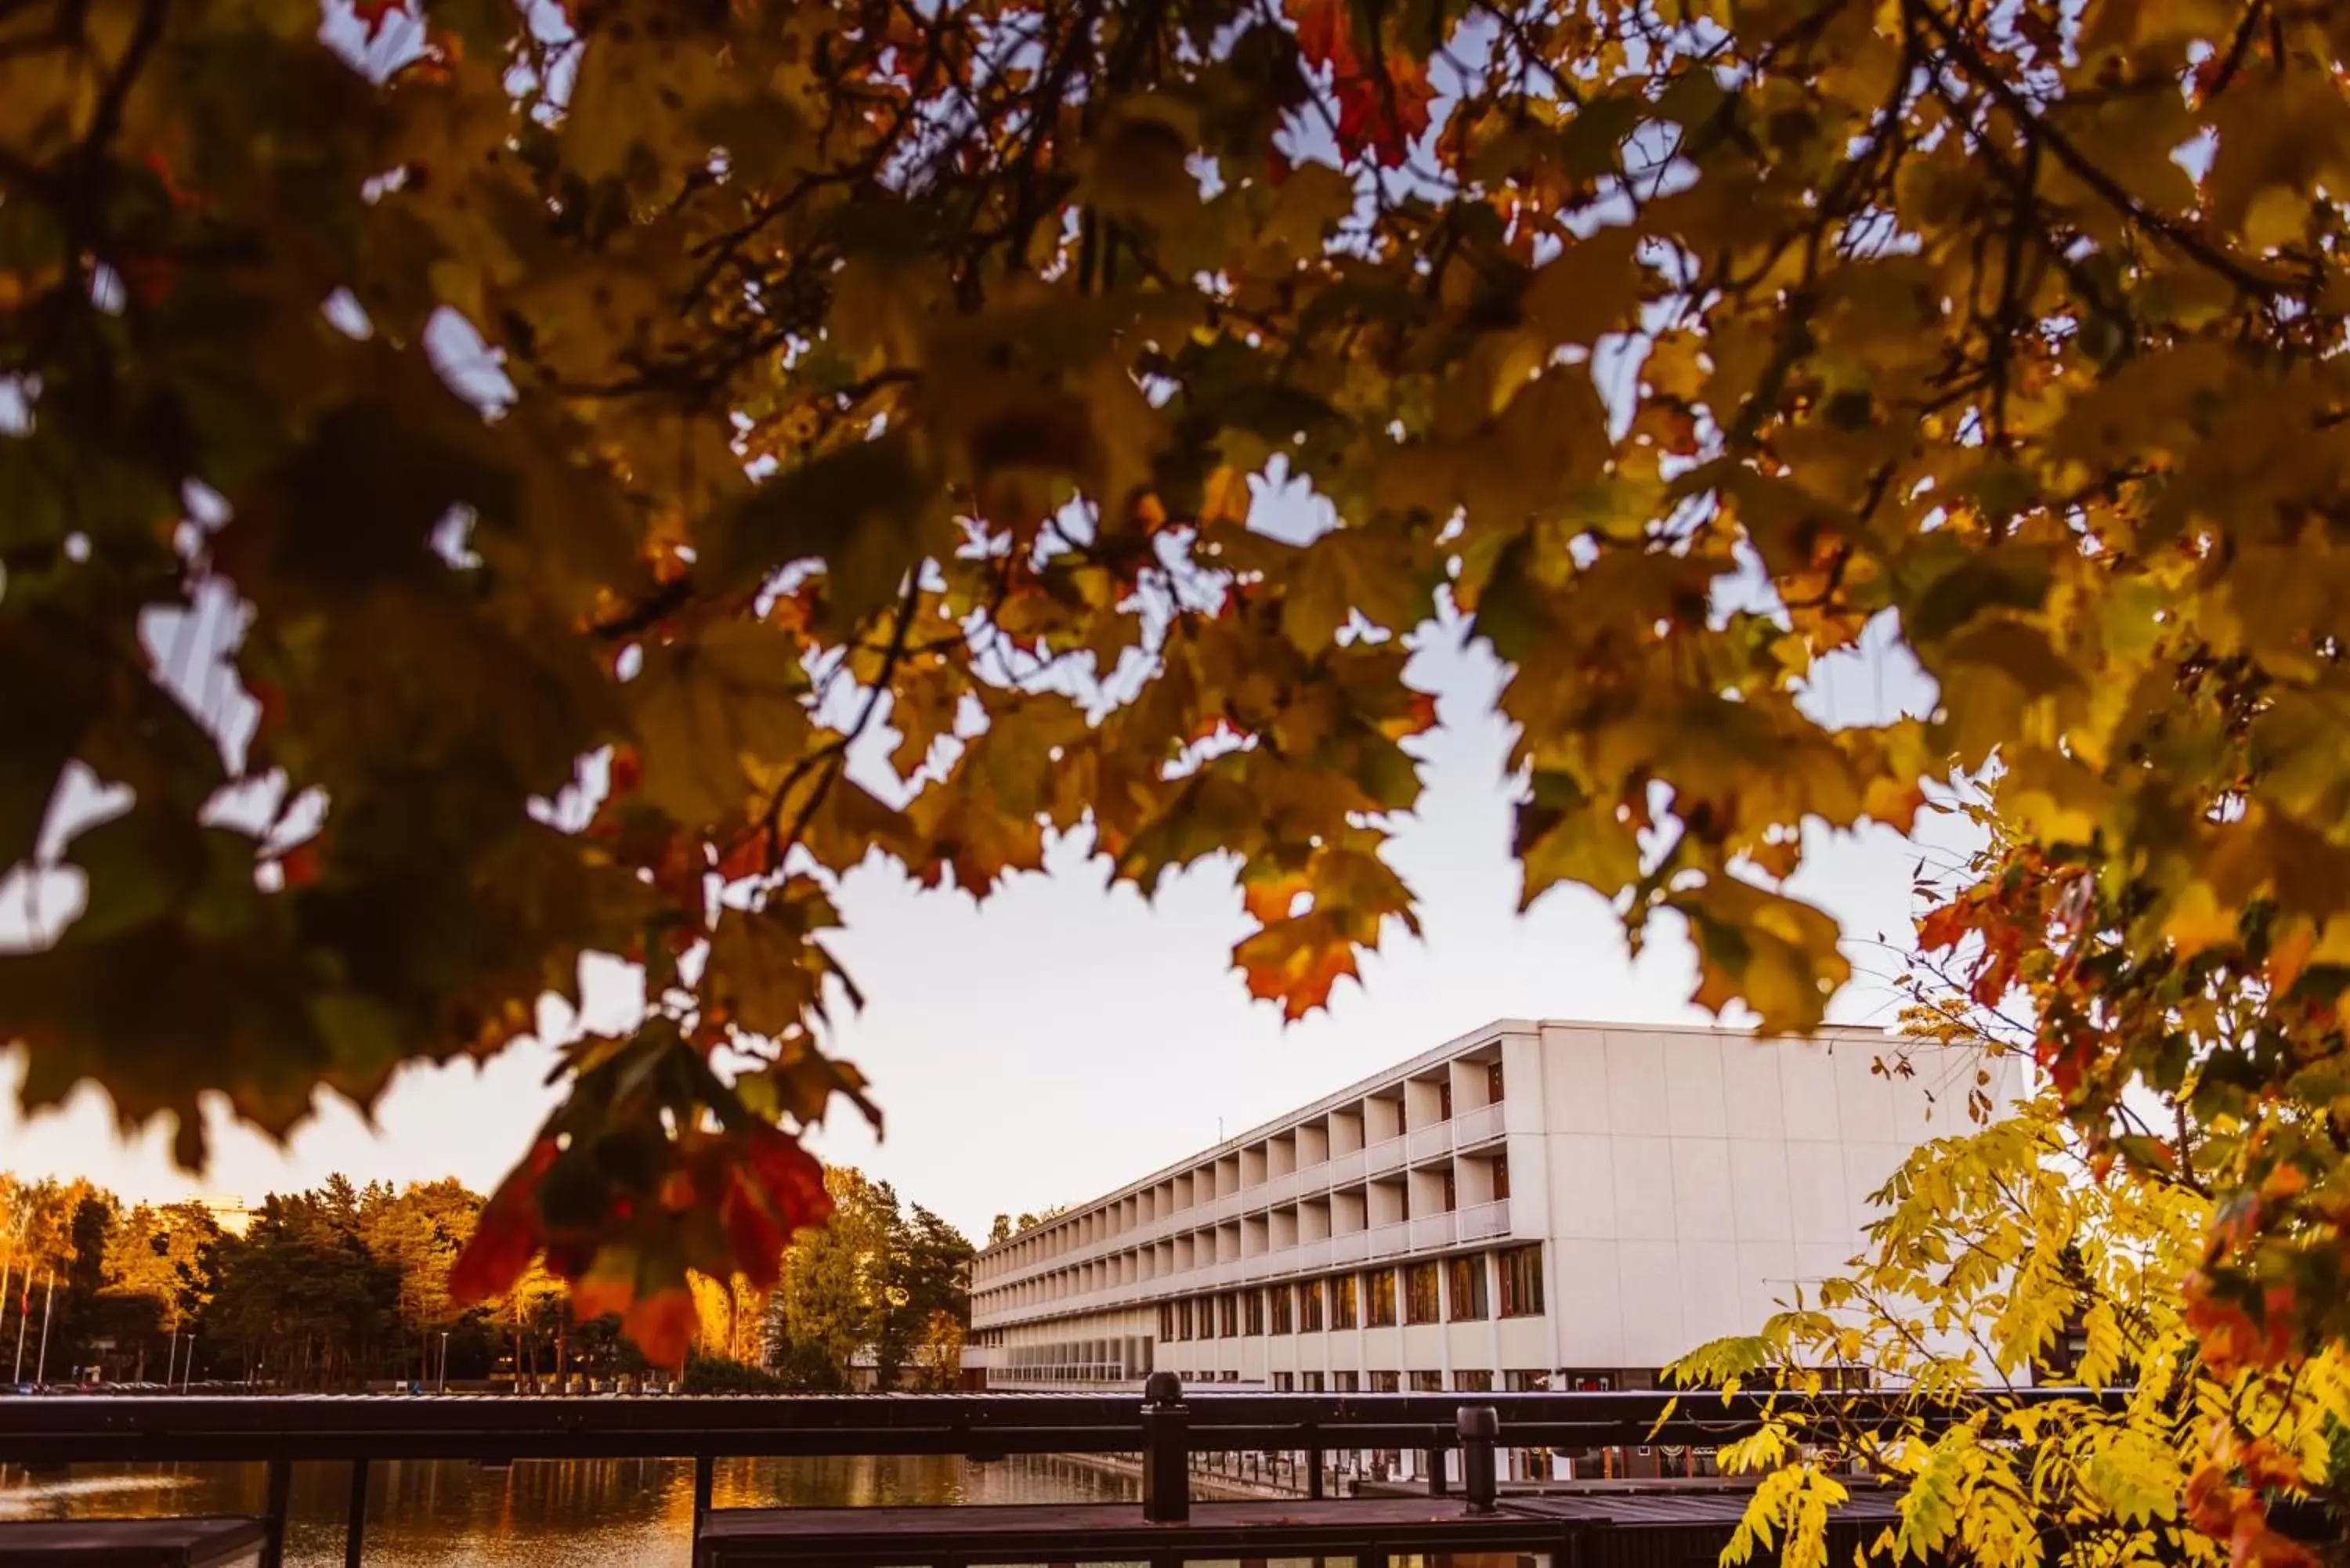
{"x": 601, "y": 1514}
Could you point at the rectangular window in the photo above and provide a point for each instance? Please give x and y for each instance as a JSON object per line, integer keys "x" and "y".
{"x": 1183, "y": 1318}
{"x": 1493, "y": 1082}
{"x": 1230, "y": 1311}
{"x": 1313, "y": 1383}
{"x": 1464, "y": 1288}
{"x": 1473, "y": 1382}
{"x": 1229, "y": 1377}
{"x": 1309, "y": 1307}
{"x": 1444, "y": 1099}
{"x": 1281, "y": 1322}
{"x": 1344, "y": 1312}
{"x": 1452, "y": 1191}
{"x": 1380, "y": 1305}
{"x": 1386, "y": 1382}
{"x": 1166, "y": 1320}
{"x": 1527, "y": 1382}
{"x": 1253, "y": 1312}
{"x": 1501, "y": 1177}
{"x": 1522, "y": 1281}
{"x": 1207, "y": 1317}
{"x": 1284, "y": 1383}
{"x": 1419, "y": 1294}
{"x": 1346, "y": 1382}
{"x": 1427, "y": 1381}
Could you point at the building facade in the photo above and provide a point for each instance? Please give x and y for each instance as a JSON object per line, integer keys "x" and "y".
{"x": 1533, "y": 1205}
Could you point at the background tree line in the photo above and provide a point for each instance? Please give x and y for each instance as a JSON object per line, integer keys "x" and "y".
{"x": 343, "y": 1284}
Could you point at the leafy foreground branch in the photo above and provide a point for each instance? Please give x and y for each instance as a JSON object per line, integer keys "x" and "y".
{"x": 2000, "y": 1256}
{"x": 483, "y": 488}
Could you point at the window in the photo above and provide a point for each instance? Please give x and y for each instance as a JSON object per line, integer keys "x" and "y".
{"x": 1419, "y": 1294}
{"x": 1343, "y": 1311}
{"x": 1207, "y": 1317}
{"x": 1284, "y": 1383}
{"x": 1386, "y": 1382}
{"x": 1346, "y": 1382}
{"x": 1230, "y": 1311}
{"x": 1313, "y": 1383}
{"x": 1427, "y": 1381}
{"x": 1253, "y": 1312}
{"x": 1379, "y": 1308}
{"x": 1473, "y": 1382}
{"x": 1444, "y": 1099}
{"x": 1229, "y": 1377}
{"x": 1166, "y": 1320}
{"x": 1183, "y": 1318}
{"x": 1309, "y": 1307}
{"x": 1281, "y": 1309}
{"x": 1527, "y": 1382}
{"x": 1464, "y": 1288}
{"x": 1501, "y": 1177}
{"x": 1522, "y": 1281}
{"x": 1493, "y": 1082}
{"x": 1452, "y": 1191}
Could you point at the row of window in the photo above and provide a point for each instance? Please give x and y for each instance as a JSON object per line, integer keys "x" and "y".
{"x": 1461, "y": 1289}
{"x": 1204, "y": 1186}
{"x": 1464, "y": 1382}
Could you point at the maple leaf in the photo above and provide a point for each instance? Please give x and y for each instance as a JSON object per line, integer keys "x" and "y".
{"x": 1295, "y": 960}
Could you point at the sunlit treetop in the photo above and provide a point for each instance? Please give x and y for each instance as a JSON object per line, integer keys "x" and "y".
{"x": 647, "y": 459}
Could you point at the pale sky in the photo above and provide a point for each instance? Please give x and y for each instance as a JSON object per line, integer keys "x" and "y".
{"x": 1063, "y": 1039}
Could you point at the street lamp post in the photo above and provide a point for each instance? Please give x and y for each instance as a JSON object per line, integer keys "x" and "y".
{"x": 444, "y": 1361}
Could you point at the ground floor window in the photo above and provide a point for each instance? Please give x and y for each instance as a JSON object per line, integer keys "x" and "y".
{"x": 1464, "y": 1288}
{"x": 1522, "y": 1281}
{"x": 1427, "y": 1381}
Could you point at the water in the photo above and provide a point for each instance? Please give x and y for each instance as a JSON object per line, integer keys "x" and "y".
{"x": 578, "y": 1513}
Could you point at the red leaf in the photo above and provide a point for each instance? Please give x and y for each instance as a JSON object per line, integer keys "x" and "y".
{"x": 1384, "y": 110}
{"x": 1382, "y": 101}
{"x": 508, "y": 1234}
{"x": 373, "y": 12}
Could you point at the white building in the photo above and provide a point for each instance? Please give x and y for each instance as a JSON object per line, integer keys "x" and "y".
{"x": 1533, "y": 1205}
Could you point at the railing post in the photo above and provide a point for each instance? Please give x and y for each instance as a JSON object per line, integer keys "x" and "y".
{"x": 281, "y": 1485}
{"x": 1434, "y": 1458}
{"x": 1313, "y": 1472}
{"x": 702, "y": 1465}
{"x": 355, "y": 1516}
{"x": 1165, "y": 1450}
{"x": 1477, "y": 1426}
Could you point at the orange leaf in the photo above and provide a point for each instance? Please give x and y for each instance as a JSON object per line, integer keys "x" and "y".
{"x": 661, "y": 1325}
{"x": 1296, "y": 961}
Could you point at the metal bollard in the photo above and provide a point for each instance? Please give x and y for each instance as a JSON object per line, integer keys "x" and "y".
{"x": 1165, "y": 1450}
{"x": 1477, "y": 1426}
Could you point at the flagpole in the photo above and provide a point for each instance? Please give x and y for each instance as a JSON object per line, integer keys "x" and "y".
{"x": 24, "y": 1312}
{"x": 48, "y": 1300}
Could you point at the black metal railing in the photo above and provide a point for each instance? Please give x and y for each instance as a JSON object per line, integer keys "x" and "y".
{"x": 1163, "y": 1429}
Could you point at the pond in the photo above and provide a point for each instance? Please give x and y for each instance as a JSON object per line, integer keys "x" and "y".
{"x": 579, "y": 1513}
